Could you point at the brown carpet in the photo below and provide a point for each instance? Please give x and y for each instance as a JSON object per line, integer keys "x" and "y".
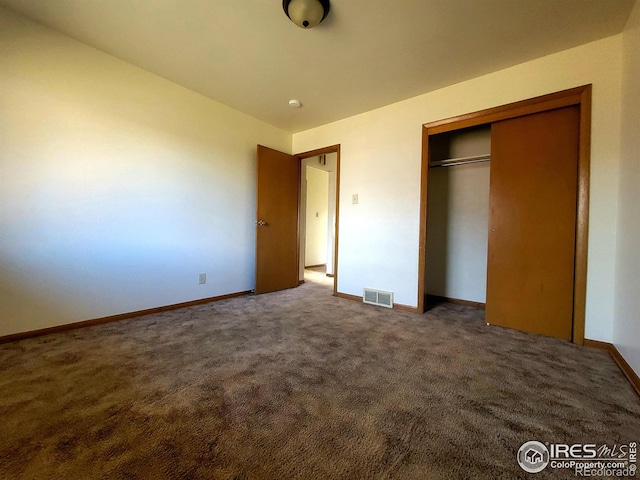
{"x": 299, "y": 384}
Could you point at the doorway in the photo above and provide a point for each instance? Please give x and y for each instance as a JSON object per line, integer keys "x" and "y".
{"x": 318, "y": 216}
{"x": 281, "y": 218}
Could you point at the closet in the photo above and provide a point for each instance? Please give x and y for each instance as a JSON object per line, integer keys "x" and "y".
{"x": 504, "y": 212}
{"x": 458, "y": 213}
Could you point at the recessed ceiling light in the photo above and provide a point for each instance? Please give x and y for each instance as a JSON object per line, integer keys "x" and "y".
{"x": 295, "y": 103}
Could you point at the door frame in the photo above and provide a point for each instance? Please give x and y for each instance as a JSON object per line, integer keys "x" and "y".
{"x": 314, "y": 153}
{"x": 580, "y": 96}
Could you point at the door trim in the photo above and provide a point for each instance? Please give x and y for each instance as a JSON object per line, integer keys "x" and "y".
{"x": 580, "y": 96}
{"x": 314, "y": 153}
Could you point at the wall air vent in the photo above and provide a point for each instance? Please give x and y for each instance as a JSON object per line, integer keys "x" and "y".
{"x": 378, "y": 297}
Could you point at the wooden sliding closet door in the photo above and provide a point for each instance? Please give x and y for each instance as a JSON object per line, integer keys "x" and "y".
{"x": 532, "y": 222}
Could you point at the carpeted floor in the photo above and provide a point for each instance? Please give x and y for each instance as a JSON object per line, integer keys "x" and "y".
{"x": 301, "y": 385}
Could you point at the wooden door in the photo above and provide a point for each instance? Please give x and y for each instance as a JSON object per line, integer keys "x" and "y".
{"x": 532, "y": 222}
{"x": 278, "y": 180}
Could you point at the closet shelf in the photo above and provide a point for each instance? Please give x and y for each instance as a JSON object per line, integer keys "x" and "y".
{"x": 450, "y": 162}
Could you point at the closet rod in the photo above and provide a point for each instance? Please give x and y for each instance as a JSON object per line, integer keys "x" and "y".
{"x": 450, "y": 162}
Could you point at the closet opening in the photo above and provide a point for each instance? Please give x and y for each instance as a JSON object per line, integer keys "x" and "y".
{"x": 458, "y": 213}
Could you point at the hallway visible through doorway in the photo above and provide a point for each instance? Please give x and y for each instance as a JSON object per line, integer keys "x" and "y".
{"x": 319, "y": 276}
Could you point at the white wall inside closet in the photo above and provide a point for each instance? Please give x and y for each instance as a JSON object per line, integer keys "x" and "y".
{"x": 458, "y": 216}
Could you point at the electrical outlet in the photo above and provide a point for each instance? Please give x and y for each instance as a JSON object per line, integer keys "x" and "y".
{"x": 202, "y": 278}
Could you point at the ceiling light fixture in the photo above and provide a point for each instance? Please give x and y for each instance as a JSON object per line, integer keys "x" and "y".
{"x": 306, "y": 13}
{"x": 295, "y": 103}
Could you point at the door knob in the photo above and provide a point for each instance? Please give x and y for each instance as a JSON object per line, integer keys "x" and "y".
{"x": 260, "y": 223}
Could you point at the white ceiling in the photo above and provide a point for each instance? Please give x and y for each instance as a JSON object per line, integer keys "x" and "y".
{"x": 367, "y": 53}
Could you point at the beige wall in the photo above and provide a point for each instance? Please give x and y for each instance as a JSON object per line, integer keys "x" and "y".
{"x": 117, "y": 187}
{"x": 380, "y": 152}
{"x": 627, "y": 305}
